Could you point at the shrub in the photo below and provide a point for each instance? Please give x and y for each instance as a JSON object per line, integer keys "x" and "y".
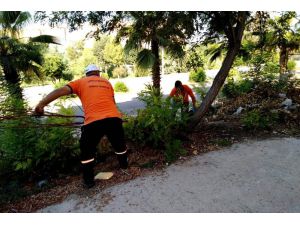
{"x": 139, "y": 72}
{"x": 259, "y": 120}
{"x": 56, "y": 68}
{"x": 105, "y": 75}
{"x": 291, "y": 65}
{"x": 29, "y": 148}
{"x": 120, "y": 87}
{"x": 233, "y": 89}
{"x": 120, "y": 72}
{"x": 156, "y": 125}
{"x": 201, "y": 91}
{"x": 198, "y": 76}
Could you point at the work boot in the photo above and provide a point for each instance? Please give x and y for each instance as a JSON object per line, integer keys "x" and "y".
{"x": 123, "y": 161}
{"x": 88, "y": 175}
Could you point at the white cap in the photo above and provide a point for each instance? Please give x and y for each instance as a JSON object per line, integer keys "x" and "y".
{"x": 90, "y": 68}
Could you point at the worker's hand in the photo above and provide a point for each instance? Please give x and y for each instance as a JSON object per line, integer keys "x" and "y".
{"x": 39, "y": 109}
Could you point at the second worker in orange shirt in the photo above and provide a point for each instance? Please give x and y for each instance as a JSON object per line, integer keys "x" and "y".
{"x": 182, "y": 92}
{"x": 101, "y": 118}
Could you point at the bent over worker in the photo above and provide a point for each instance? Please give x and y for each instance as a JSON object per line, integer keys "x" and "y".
{"x": 101, "y": 118}
{"x": 182, "y": 92}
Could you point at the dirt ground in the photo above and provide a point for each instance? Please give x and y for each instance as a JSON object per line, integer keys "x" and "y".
{"x": 253, "y": 176}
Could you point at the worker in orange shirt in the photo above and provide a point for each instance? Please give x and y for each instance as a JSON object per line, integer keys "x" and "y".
{"x": 101, "y": 118}
{"x": 182, "y": 92}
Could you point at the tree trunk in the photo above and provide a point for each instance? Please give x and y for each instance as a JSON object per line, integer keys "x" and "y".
{"x": 215, "y": 88}
{"x": 283, "y": 60}
{"x": 234, "y": 39}
{"x": 156, "y": 64}
{"x": 12, "y": 78}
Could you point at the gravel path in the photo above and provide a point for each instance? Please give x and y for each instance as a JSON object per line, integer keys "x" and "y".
{"x": 254, "y": 176}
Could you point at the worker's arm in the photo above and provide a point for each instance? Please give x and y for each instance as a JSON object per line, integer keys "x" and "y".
{"x": 172, "y": 92}
{"x": 66, "y": 90}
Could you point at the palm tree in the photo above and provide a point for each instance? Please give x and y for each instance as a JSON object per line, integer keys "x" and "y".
{"x": 148, "y": 31}
{"x": 281, "y": 36}
{"x": 19, "y": 54}
{"x": 144, "y": 31}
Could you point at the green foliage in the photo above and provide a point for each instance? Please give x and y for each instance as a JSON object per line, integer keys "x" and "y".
{"x": 256, "y": 119}
{"x": 79, "y": 58}
{"x": 98, "y": 49}
{"x": 291, "y": 65}
{"x": 198, "y": 76}
{"x": 56, "y": 68}
{"x": 174, "y": 149}
{"x": 74, "y": 51}
{"x": 201, "y": 91}
{"x": 110, "y": 70}
{"x": 20, "y": 57}
{"x": 145, "y": 59}
{"x": 157, "y": 124}
{"x": 60, "y": 84}
{"x": 120, "y": 87}
{"x": 139, "y": 72}
{"x": 233, "y": 89}
{"x": 29, "y": 148}
{"x": 173, "y": 65}
{"x": 113, "y": 54}
{"x": 120, "y": 72}
{"x": 195, "y": 59}
{"x": 105, "y": 75}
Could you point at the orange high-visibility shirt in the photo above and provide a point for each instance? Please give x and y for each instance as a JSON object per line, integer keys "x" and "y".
{"x": 97, "y": 98}
{"x": 185, "y": 94}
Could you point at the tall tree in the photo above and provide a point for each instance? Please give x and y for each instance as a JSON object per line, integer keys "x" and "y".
{"x": 170, "y": 30}
{"x": 148, "y": 31}
{"x": 98, "y": 49}
{"x": 19, "y": 54}
{"x": 113, "y": 54}
{"x": 221, "y": 25}
{"x": 145, "y": 31}
{"x": 282, "y": 36}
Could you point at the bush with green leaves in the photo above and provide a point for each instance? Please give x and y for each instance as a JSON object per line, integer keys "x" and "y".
{"x": 291, "y": 65}
{"x": 140, "y": 72}
{"x": 198, "y": 76}
{"x": 105, "y": 76}
{"x": 120, "y": 87}
{"x": 256, "y": 119}
{"x": 233, "y": 89}
{"x": 157, "y": 124}
{"x": 56, "y": 68}
{"x": 120, "y": 72}
{"x": 32, "y": 147}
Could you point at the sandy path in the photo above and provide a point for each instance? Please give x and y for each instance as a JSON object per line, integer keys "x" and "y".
{"x": 254, "y": 176}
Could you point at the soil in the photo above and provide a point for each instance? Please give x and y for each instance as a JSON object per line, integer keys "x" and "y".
{"x": 211, "y": 136}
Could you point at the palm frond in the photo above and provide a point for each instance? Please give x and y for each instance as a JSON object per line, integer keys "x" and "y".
{"x": 7, "y": 18}
{"x": 22, "y": 20}
{"x": 48, "y": 39}
{"x": 175, "y": 50}
{"x": 215, "y": 51}
{"x": 145, "y": 59}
